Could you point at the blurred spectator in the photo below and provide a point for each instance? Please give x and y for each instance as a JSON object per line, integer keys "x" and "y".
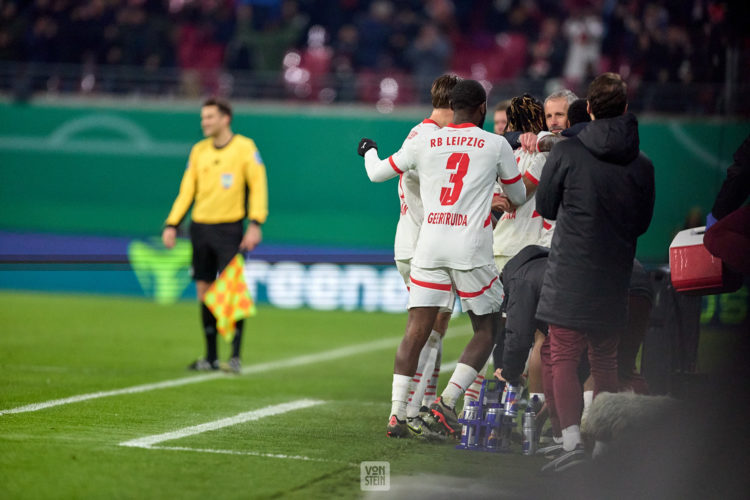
{"x": 429, "y": 56}
{"x": 584, "y": 32}
{"x": 374, "y": 30}
{"x": 241, "y": 49}
{"x": 655, "y": 44}
{"x": 200, "y": 51}
{"x": 547, "y": 55}
{"x": 12, "y": 27}
{"x": 263, "y": 49}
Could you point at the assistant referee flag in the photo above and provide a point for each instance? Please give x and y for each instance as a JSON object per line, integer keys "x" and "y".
{"x": 229, "y": 299}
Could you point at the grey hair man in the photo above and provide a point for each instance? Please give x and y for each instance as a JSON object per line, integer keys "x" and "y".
{"x": 556, "y": 110}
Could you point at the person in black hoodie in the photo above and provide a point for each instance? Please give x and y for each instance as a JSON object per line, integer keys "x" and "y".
{"x": 729, "y": 238}
{"x": 600, "y": 189}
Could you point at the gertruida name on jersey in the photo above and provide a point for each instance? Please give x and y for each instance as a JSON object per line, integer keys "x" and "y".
{"x": 455, "y": 140}
{"x": 447, "y": 219}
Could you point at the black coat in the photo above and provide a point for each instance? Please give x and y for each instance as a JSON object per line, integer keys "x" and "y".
{"x": 522, "y": 282}
{"x": 600, "y": 189}
{"x": 736, "y": 188}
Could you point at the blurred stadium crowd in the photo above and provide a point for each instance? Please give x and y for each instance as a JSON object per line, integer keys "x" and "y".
{"x": 676, "y": 55}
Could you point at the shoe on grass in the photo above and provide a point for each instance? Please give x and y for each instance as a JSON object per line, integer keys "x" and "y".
{"x": 203, "y": 365}
{"x": 443, "y": 419}
{"x": 566, "y": 460}
{"x": 397, "y": 428}
{"x": 420, "y": 430}
{"x": 232, "y": 366}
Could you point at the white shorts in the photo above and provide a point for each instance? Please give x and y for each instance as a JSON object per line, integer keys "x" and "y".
{"x": 404, "y": 268}
{"x": 479, "y": 289}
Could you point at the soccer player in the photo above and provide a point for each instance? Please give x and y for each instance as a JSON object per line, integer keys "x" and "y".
{"x": 518, "y": 226}
{"x": 407, "y": 230}
{"x": 500, "y": 119}
{"x": 457, "y": 167}
{"x": 522, "y": 225}
{"x": 225, "y": 179}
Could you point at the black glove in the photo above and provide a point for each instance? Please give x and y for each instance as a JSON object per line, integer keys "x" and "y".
{"x": 364, "y": 145}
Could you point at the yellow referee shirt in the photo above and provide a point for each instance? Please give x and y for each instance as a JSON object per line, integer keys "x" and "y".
{"x": 221, "y": 181}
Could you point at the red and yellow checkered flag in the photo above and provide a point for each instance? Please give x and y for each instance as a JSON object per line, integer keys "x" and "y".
{"x": 229, "y": 299}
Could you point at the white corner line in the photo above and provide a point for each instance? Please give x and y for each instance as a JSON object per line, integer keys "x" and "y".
{"x": 250, "y": 453}
{"x": 248, "y": 416}
{"x": 257, "y": 368}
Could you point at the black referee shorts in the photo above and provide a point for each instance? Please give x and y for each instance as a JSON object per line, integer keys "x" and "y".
{"x": 214, "y": 245}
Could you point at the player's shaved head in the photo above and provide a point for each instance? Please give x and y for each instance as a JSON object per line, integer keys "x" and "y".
{"x": 467, "y": 95}
{"x": 441, "y": 90}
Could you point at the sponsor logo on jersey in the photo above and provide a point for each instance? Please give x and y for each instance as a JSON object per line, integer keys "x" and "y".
{"x": 226, "y": 180}
{"x": 258, "y": 158}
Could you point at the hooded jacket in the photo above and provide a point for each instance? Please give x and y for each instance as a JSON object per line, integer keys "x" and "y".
{"x": 522, "y": 280}
{"x": 600, "y": 189}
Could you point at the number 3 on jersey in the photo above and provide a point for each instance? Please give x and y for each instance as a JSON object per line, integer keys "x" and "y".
{"x": 460, "y": 163}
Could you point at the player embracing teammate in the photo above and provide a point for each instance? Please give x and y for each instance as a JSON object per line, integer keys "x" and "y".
{"x": 457, "y": 168}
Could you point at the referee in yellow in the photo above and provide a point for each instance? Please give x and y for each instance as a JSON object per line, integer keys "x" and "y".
{"x": 226, "y": 180}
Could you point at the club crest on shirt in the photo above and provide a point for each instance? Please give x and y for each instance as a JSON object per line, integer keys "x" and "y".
{"x": 258, "y": 158}
{"x": 226, "y": 180}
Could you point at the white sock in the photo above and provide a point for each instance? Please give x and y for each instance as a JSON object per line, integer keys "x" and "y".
{"x": 588, "y": 398}
{"x": 472, "y": 392}
{"x": 539, "y": 396}
{"x": 399, "y": 393}
{"x": 430, "y": 392}
{"x": 462, "y": 376}
{"x": 571, "y": 437}
{"x": 422, "y": 376}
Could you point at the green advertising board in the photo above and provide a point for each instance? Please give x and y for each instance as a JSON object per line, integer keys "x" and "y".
{"x": 114, "y": 170}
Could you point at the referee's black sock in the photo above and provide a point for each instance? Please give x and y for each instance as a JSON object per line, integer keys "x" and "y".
{"x": 209, "y": 329}
{"x": 237, "y": 340}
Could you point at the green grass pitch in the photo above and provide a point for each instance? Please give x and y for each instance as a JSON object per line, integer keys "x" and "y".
{"x": 61, "y": 346}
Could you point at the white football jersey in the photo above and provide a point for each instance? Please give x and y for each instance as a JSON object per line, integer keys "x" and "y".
{"x": 524, "y": 226}
{"x": 410, "y": 219}
{"x": 458, "y": 166}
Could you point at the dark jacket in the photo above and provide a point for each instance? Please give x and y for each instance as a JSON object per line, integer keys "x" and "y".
{"x": 522, "y": 282}
{"x": 600, "y": 189}
{"x": 736, "y": 188}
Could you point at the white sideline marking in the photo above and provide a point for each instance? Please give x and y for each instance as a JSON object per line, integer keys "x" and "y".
{"x": 150, "y": 442}
{"x": 116, "y": 392}
{"x": 249, "y": 453}
{"x": 249, "y": 416}
{"x": 260, "y": 367}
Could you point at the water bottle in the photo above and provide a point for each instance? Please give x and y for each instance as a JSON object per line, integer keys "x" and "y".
{"x": 529, "y": 430}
